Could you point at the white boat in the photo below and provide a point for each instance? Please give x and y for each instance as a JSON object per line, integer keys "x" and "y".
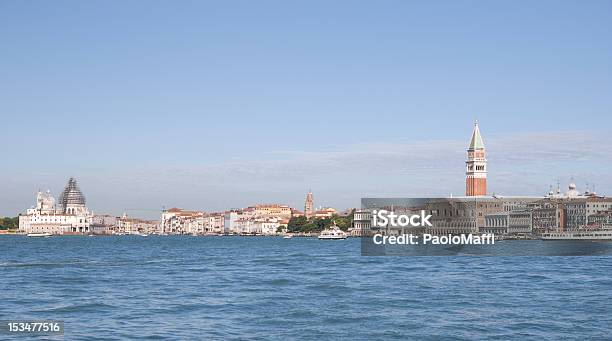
{"x": 333, "y": 233}
{"x": 44, "y": 234}
{"x": 603, "y": 234}
{"x": 288, "y": 236}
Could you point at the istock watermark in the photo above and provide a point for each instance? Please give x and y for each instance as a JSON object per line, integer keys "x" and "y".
{"x": 384, "y": 218}
{"x": 475, "y": 226}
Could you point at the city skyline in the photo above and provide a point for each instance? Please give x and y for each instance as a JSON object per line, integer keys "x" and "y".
{"x": 562, "y": 153}
{"x": 246, "y": 169}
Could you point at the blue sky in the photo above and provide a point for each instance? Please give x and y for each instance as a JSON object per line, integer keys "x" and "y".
{"x": 209, "y": 105}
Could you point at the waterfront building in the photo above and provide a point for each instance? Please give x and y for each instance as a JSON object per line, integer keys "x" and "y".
{"x": 600, "y": 219}
{"x": 104, "y": 220}
{"x": 513, "y": 223}
{"x": 215, "y": 223}
{"x": 579, "y": 210}
{"x": 258, "y": 219}
{"x": 362, "y": 221}
{"x": 68, "y": 216}
{"x": 230, "y": 221}
{"x": 547, "y": 215}
{"x": 476, "y": 165}
{"x": 195, "y": 225}
{"x": 250, "y": 225}
{"x": 244, "y": 226}
{"x": 559, "y": 211}
{"x": 103, "y": 224}
{"x": 519, "y": 223}
{"x": 179, "y": 221}
{"x": 496, "y": 223}
{"x": 268, "y": 227}
{"x": 572, "y": 209}
{"x": 575, "y": 213}
{"x": 596, "y": 205}
{"x": 309, "y": 205}
{"x": 127, "y": 225}
{"x": 257, "y": 226}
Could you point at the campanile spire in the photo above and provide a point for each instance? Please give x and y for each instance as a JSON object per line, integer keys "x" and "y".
{"x": 476, "y": 165}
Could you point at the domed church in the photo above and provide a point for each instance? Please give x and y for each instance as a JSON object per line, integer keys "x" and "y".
{"x": 69, "y": 216}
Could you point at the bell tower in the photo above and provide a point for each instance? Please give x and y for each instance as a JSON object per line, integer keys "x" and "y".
{"x": 309, "y": 205}
{"x": 476, "y": 166}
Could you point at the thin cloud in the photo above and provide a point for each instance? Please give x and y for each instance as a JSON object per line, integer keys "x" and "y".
{"x": 518, "y": 164}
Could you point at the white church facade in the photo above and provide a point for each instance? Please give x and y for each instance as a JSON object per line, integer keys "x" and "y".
{"x": 68, "y": 216}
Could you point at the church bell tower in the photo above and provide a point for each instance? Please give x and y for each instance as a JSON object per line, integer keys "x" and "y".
{"x": 309, "y": 205}
{"x": 476, "y": 166}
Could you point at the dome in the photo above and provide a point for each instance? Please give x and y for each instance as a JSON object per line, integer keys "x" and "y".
{"x": 71, "y": 196}
{"x": 572, "y": 191}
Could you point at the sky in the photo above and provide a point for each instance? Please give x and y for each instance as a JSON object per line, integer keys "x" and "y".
{"x": 217, "y": 104}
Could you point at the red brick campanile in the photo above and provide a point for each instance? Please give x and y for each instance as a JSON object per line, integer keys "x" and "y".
{"x": 476, "y": 166}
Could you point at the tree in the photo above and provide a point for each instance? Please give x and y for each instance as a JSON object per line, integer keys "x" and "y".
{"x": 344, "y": 223}
{"x": 303, "y": 224}
{"x": 296, "y": 224}
{"x": 9, "y": 223}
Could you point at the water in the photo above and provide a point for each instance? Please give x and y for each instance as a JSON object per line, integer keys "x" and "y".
{"x": 272, "y": 288}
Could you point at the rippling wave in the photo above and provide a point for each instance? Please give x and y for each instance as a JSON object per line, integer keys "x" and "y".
{"x": 182, "y": 288}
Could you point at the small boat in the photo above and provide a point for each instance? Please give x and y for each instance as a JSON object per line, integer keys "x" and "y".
{"x": 144, "y": 235}
{"x": 333, "y": 233}
{"x": 288, "y": 236}
{"x": 44, "y": 234}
